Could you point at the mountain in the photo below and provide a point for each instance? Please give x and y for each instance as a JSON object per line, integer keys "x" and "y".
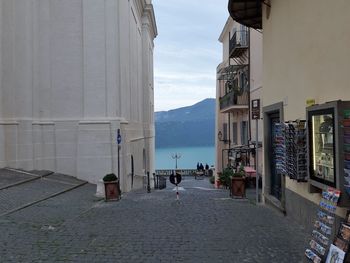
{"x": 187, "y": 126}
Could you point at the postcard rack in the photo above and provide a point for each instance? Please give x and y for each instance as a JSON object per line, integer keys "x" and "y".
{"x": 290, "y": 149}
{"x": 320, "y": 242}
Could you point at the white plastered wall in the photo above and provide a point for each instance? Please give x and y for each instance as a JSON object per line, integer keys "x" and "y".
{"x": 72, "y": 72}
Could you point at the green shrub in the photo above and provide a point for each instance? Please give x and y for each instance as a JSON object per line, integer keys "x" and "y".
{"x": 240, "y": 172}
{"x": 212, "y": 179}
{"x": 110, "y": 177}
{"x": 225, "y": 177}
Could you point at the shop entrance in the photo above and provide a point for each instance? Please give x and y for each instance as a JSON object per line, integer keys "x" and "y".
{"x": 274, "y": 185}
{"x": 275, "y": 182}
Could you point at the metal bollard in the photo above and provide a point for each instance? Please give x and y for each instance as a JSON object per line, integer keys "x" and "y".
{"x": 148, "y": 183}
{"x": 154, "y": 180}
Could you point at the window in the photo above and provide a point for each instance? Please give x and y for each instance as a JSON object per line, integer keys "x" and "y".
{"x": 244, "y": 133}
{"x": 241, "y": 81}
{"x": 224, "y": 131}
{"x": 234, "y": 133}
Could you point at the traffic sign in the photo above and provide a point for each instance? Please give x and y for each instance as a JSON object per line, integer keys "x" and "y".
{"x": 256, "y": 109}
{"x": 175, "y": 179}
{"x": 119, "y": 137}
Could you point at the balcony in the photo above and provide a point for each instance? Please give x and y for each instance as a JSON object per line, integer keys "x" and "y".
{"x": 234, "y": 101}
{"x": 247, "y": 12}
{"x": 239, "y": 43}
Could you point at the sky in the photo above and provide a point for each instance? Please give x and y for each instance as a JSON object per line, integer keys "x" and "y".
{"x": 187, "y": 50}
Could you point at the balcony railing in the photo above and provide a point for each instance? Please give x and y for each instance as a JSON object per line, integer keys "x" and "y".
{"x": 238, "y": 42}
{"x": 234, "y": 100}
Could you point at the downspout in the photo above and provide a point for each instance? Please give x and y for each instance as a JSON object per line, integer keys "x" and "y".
{"x": 229, "y": 114}
{"x": 249, "y": 119}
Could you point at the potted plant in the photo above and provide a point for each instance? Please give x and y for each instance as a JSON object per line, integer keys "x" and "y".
{"x": 212, "y": 179}
{"x": 238, "y": 184}
{"x": 112, "y": 187}
{"x": 225, "y": 177}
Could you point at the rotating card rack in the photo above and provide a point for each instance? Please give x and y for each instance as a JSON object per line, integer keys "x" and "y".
{"x": 320, "y": 241}
{"x": 290, "y": 149}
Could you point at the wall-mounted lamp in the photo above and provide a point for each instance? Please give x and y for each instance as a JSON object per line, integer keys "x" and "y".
{"x": 220, "y": 137}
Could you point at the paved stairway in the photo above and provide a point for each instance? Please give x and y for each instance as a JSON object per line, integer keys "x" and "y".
{"x": 19, "y": 189}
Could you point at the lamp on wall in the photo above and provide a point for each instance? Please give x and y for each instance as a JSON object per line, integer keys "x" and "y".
{"x": 220, "y": 137}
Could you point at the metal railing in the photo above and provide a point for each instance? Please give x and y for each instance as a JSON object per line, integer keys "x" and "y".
{"x": 234, "y": 98}
{"x": 159, "y": 181}
{"x": 183, "y": 172}
{"x": 239, "y": 39}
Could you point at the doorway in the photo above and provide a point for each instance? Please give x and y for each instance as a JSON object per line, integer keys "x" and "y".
{"x": 274, "y": 182}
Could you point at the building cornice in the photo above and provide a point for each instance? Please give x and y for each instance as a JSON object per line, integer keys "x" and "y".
{"x": 148, "y": 12}
{"x": 228, "y": 26}
{"x": 140, "y": 6}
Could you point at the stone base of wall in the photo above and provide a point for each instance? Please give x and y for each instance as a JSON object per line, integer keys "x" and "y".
{"x": 304, "y": 212}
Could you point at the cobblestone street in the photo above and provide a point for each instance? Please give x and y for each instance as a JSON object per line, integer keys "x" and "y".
{"x": 204, "y": 226}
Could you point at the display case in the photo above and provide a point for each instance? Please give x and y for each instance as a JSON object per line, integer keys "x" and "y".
{"x": 326, "y": 147}
{"x": 322, "y": 165}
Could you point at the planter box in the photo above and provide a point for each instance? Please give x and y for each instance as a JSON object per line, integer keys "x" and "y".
{"x": 112, "y": 191}
{"x": 238, "y": 187}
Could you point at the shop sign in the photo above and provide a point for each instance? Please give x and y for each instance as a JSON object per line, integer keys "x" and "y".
{"x": 310, "y": 102}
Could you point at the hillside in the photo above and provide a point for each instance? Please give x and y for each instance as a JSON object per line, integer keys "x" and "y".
{"x": 187, "y": 126}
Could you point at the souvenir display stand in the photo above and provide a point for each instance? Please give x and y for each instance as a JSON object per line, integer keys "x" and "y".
{"x": 290, "y": 150}
{"x": 329, "y": 148}
{"x": 321, "y": 235}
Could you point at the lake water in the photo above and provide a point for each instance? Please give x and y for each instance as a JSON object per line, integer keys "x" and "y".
{"x": 189, "y": 157}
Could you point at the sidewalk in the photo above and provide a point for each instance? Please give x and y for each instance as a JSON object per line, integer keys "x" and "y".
{"x": 204, "y": 226}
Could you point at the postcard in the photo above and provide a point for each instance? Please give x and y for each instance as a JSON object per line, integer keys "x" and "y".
{"x": 335, "y": 255}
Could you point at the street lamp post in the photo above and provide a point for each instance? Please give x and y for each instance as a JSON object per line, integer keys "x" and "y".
{"x": 176, "y": 156}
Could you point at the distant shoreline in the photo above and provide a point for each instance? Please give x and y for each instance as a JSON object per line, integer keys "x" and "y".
{"x": 190, "y": 156}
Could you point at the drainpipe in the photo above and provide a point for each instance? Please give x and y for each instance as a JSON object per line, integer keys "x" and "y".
{"x": 229, "y": 114}
{"x": 229, "y": 130}
{"x": 249, "y": 121}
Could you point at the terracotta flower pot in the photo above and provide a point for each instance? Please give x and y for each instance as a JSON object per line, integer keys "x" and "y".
{"x": 112, "y": 191}
{"x": 238, "y": 187}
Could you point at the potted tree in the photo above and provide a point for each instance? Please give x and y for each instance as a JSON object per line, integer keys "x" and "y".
{"x": 112, "y": 187}
{"x": 238, "y": 184}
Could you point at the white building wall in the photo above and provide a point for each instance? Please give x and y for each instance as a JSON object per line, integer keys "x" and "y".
{"x": 73, "y": 74}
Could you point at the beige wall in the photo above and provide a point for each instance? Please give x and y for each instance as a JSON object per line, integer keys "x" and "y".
{"x": 238, "y": 115}
{"x": 306, "y": 55}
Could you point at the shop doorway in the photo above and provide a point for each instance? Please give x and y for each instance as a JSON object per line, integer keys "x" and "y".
{"x": 275, "y": 182}
{"x": 274, "y": 185}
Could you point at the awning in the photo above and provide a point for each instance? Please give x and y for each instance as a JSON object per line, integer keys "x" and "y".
{"x": 246, "y": 12}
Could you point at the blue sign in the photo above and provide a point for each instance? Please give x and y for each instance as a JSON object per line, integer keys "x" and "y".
{"x": 119, "y": 138}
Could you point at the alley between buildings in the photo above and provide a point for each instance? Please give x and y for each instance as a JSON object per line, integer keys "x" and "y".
{"x": 205, "y": 225}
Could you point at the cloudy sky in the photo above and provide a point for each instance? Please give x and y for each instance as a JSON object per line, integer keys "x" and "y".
{"x": 187, "y": 50}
